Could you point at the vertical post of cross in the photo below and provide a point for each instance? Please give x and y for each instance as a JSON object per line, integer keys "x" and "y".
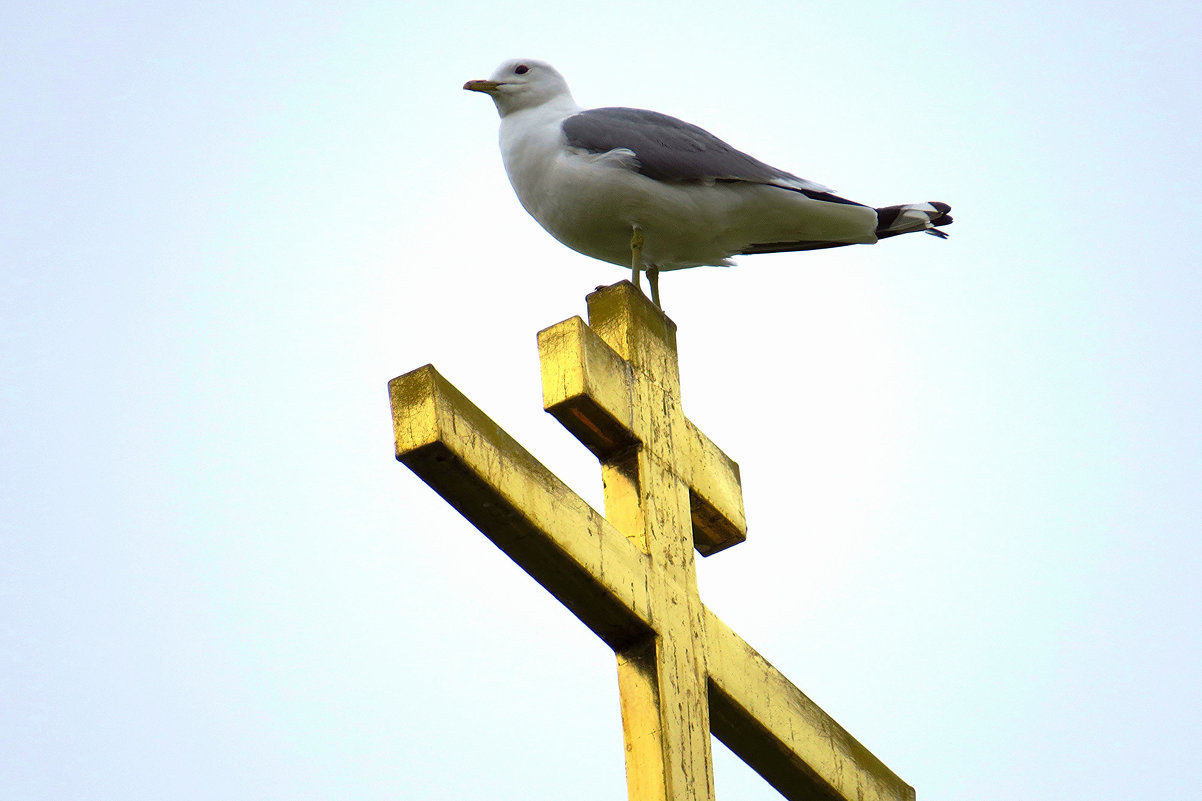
{"x": 647, "y": 469}
{"x": 662, "y": 681}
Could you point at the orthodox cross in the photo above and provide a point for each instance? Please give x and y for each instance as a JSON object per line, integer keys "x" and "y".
{"x": 629, "y": 575}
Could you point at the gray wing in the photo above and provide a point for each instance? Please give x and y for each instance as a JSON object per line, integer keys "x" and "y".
{"x": 668, "y": 149}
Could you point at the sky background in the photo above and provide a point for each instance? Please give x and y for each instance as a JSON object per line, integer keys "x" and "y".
{"x": 971, "y": 468}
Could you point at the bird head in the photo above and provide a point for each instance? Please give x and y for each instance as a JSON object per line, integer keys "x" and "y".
{"x": 522, "y": 83}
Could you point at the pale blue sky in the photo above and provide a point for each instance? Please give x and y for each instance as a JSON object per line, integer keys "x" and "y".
{"x": 971, "y": 468}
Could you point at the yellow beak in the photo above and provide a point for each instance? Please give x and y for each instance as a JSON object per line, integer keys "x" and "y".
{"x": 488, "y": 87}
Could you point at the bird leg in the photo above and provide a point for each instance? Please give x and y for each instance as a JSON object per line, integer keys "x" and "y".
{"x": 653, "y": 279}
{"x": 636, "y": 255}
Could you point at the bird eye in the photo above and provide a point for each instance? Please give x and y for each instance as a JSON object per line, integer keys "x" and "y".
{"x": 521, "y": 69}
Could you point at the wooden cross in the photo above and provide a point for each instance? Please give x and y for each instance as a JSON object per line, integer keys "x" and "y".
{"x": 630, "y": 576}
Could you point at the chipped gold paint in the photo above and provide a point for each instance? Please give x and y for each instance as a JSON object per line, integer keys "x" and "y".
{"x": 629, "y": 575}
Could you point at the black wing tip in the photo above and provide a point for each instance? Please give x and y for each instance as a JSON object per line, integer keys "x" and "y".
{"x": 937, "y": 215}
{"x": 944, "y": 217}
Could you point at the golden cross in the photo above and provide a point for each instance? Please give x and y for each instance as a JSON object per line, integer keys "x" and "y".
{"x": 630, "y": 575}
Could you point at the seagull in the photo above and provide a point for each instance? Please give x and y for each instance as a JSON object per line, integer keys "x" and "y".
{"x": 641, "y": 189}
